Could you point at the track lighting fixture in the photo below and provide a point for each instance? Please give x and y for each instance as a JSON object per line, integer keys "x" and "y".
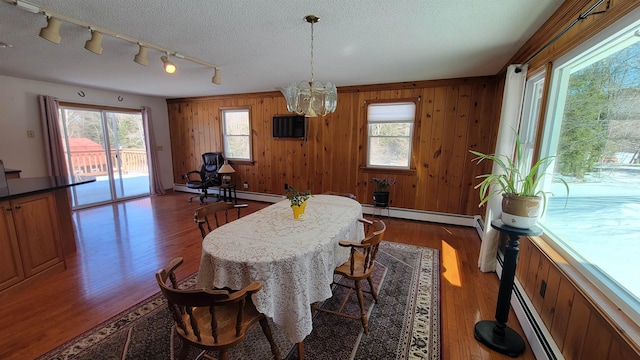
{"x": 51, "y": 32}
{"x": 95, "y": 43}
{"x": 141, "y": 56}
{"x": 216, "y": 76}
{"x": 169, "y": 67}
{"x": 28, "y": 7}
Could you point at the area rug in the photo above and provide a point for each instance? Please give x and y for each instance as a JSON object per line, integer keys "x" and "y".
{"x": 404, "y": 324}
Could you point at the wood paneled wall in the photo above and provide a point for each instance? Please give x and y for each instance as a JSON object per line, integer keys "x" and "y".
{"x": 575, "y": 321}
{"x": 453, "y": 116}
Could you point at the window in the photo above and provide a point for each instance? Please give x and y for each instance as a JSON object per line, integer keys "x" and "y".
{"x": 109, "y": 145}
{"x": 593, "y": 126}
{"x": 530, "y": 114}
{"x": 390, "y": 133}
{"x": 236, "y": 134}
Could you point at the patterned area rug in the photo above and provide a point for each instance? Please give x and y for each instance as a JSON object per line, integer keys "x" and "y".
{"x": 405, "y": 324}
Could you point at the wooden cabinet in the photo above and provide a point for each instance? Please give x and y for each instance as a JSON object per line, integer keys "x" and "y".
{"x": 31, "y": 235}
{"x": 10, "y": 263}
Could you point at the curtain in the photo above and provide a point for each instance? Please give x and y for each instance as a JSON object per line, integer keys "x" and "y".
{"x": 155, "y": 183}
{"x": 505, "y": 144}
{"x": 52, "y": 136}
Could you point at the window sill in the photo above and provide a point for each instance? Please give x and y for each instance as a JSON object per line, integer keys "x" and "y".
{"x": 388, "y": 170}
{"x": 242, "y": 162}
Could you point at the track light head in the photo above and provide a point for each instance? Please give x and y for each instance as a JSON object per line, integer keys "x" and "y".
{"x": 141, "y": 56}
{"x": 95, "y": 43}
{"x": 216, "y": 77}
{"x": 169, "y": 67}
{"x": 51, "y": 32}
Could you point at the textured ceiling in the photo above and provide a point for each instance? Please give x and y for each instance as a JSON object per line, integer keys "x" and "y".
{"x": 264, "y": 45}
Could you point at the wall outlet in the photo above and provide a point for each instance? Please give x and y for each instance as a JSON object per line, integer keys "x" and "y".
{"x": 245, "y": 185}
{"x": 543, "y": 288}
{"x": 31, "y": 134}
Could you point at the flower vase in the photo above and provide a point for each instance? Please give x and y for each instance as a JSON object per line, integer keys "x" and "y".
{"x": 381, "y": 199}
{"x": 298, "y": 211}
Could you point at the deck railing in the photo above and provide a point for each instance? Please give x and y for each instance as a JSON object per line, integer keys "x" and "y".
{"x": 94, "y": 162}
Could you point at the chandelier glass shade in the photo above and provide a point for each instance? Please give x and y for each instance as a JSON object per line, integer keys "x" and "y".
{"x": 311, "y": 98}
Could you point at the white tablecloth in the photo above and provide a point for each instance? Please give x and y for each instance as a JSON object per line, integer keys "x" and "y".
{"x": 293, "y": 259}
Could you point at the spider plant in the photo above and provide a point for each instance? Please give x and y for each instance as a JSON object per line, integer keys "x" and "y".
{"x": 512, "y": 180}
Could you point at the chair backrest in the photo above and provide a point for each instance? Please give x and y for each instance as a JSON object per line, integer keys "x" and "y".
{"x": 204, "y": 215}
{"x": 3, "y": 176}
{"x": 222, "y": 306}
{"x": 374, "y": 231}
{"x": 211, "y": 163}
{"x": 349, "y": 195}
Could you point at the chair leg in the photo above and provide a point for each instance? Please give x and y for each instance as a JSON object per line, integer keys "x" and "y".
{"x": 184, "y": 350}
{"x": 224, "y": 355}
{"x": 374, "y": 292}
{"x": 266, "y": 329}
{"x": 363, "y": 314}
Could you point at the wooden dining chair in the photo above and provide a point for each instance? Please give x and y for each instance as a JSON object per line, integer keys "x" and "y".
{"x": 205, "y": 213}
{"x": 349, "y": 195}
{"x": 212, "y": 320}
{"x": 359, "y": 267}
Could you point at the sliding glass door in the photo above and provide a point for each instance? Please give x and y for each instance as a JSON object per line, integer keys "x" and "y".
{"x": 108, "y": 145}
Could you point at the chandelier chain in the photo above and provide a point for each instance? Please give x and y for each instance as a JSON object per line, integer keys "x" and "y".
{"x": 312, "y": 22}
{"x": 309, "y": 98}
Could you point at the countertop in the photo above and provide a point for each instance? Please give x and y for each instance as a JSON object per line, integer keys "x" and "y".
{"x": 27, "y": 186}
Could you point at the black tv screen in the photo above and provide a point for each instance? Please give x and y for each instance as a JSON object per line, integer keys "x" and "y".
{"x": 289, "y": 126}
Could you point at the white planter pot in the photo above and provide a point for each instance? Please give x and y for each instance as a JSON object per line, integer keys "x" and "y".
{"x": 520, "y": 211}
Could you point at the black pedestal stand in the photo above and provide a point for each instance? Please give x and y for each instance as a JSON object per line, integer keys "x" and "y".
{"x": 496, "y": 334}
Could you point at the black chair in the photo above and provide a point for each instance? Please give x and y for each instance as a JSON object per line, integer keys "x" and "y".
{"x": 207, "y": 176}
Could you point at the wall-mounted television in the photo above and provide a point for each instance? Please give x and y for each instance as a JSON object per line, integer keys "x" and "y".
{"x": 289, "y": 126}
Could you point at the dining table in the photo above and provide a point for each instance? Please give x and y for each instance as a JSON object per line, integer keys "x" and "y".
{"x": 293, "y": 259}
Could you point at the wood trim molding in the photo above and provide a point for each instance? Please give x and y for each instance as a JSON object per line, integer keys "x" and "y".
{"x": 349, "y": 89}
{"x": 567, "y": 13}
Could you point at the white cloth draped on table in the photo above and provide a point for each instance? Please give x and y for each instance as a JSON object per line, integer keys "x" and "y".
{"x": 293, "y": 259}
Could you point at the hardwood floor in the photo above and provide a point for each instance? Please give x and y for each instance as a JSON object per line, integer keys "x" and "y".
{"x": 121, "y": 246}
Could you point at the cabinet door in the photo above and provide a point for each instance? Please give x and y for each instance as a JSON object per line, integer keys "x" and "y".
{"x": 10, "y": 264}
{"x": 37, "y": 231}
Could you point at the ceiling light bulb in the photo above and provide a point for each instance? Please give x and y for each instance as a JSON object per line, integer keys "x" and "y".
{"x": 95, "y": 43}
{"x": 141, "y": 56}
{"x": 51, "y": 32}
{"x": 169, "y": 67}
{"x": 216, "y": 77}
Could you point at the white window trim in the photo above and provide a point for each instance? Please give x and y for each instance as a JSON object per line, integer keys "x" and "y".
{"x": 225, "y": 144}
{"x": 410, "y": 136}
{"x": 562, "y": 70}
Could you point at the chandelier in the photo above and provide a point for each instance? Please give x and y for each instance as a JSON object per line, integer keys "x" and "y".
{"x": 311, "y": 98}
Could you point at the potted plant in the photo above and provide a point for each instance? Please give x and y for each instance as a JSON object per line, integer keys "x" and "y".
{"x": 298, "y": 201}
{"x": 381, "y": 195}
{"x": 520, "y": 194}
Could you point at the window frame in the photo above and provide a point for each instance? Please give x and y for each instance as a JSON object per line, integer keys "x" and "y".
{"x": 224, "y": 136}
{"x": 549, "y": 135}
{"x": 404, "y": 170}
